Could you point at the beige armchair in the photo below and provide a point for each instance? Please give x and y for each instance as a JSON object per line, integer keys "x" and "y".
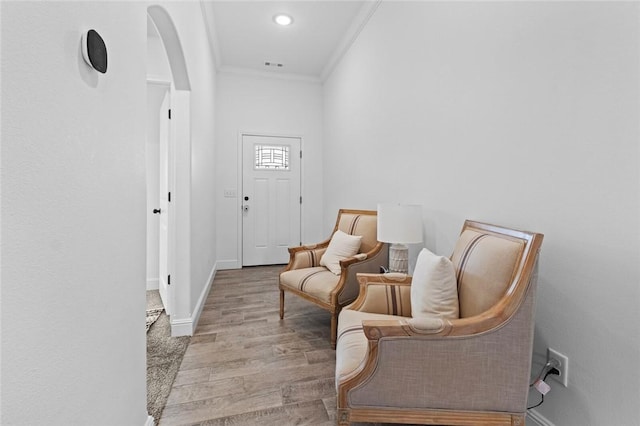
{"x": 305, "y": 277}
{"x": 474, "y": 370}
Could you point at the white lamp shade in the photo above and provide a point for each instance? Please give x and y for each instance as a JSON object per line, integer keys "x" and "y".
{"x": 400, "y": 223}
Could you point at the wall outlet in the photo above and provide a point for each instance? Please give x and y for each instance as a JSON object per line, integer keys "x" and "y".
{"x": 230, "y": 193}
{"x": 563, "y": 367}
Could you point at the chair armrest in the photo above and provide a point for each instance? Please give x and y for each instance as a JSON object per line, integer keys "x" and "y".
{"x": 434, "y": 327}
{"x": 377, "y": 329}
{"x": 369, "y": 262}
{"x": 388, "y": 294}
{"x": 305, "y": 256}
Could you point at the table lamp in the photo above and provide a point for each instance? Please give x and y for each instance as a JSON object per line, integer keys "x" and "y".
{"x": 399, "y": 224}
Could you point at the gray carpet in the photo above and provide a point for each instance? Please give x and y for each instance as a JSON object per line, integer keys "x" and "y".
{"x": 152, "y": 316}
{"x": 164, "y": 355}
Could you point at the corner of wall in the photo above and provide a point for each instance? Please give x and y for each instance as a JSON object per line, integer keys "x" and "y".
{"x": 187, "y": 326}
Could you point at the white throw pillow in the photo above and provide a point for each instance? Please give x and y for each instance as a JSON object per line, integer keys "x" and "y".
{"x": 341, "y": 246}
{"x": 434, "y": 289}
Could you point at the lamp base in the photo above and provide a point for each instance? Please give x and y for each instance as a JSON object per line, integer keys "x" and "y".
{"x": 399, "y": 258}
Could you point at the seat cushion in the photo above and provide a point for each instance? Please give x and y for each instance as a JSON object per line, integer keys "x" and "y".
{"x": 317, "y": 281}
{"x": 434, "y": 289}
{"x": 351, "y": 347}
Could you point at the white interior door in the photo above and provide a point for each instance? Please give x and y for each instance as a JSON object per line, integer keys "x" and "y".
{"x": 271, "y": 199}
{"x": 165, "y": 206}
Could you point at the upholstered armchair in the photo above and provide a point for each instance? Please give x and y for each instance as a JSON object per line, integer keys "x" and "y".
{"x": 318, "y": 275}
{"x": 471, "y": 369}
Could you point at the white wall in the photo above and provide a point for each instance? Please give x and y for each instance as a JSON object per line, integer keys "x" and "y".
{"x": 201, "y": 256}
{"x": 521, "y": 114}
{"x": 73, "y": 216}
{"x": 157, "y": 71}
{"x": 157, "y": 62}
{"x": 202, "y": 76}
{"x": 252, "y": 103}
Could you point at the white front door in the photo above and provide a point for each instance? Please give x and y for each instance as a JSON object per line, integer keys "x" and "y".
{"x": 271, "y": 200}
{"x": 164, "y": 207}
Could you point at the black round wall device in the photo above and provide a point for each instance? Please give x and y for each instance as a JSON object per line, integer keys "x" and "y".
{"x": 94, "y": 51}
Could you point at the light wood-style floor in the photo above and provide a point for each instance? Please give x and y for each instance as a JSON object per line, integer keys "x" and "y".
{"x": 245, "y": 366}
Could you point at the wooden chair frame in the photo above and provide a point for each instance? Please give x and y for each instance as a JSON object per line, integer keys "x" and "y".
{"x": 373, "y": 259}
{"x": 522, "y": 286}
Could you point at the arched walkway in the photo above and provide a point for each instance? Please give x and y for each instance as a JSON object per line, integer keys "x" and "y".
{"x": 179, "y": 265}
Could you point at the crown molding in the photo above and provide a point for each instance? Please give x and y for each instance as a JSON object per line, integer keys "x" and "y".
{"x": 264, "y": 74}
{"x": 212, "y": 35}
{"x": 360, "y": 21}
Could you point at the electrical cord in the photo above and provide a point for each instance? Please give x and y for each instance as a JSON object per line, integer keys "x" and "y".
{"x": 548, "y": 373}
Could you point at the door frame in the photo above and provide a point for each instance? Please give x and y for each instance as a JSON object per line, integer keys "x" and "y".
{"x": 171, "y": 170}
{"x": 240, "y": 180}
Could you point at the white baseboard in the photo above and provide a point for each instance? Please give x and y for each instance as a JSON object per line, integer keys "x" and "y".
{"x": 203, "y": 297}
{"x": 228, "y": 264}
{"x": 187, "y": 326}
{"x": 153, "y": 283}
{"x": 150, "y": 421}
{"x": 538, "y": 419}
{"x": 182, "y": 327}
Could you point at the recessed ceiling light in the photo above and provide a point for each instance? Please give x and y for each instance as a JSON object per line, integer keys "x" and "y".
{"x": 282, "y": 19}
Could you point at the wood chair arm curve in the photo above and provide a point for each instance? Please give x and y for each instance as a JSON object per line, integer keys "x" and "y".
{"x": 296, "y": 252}
{"x": 345, "y": 263}
{"x": 358, "y": 258}
{"x": 392, "y": 278}
{"x": 401, "y": 327}
{"x": 361, "y": 257}
{"x": 307, "y": 247}
{"x": 372, "y": 256}
{"x": 436, "y": 327}
{"x": 366, "y": 280}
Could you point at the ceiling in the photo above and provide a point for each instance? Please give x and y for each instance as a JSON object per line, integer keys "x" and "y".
{"x": 244, "y": 35}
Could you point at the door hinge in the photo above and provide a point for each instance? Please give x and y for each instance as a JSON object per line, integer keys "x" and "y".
{"x": 169, "y": 197}
{"x": 168, "y": 279}
{"x": 300, "y": 153}
{"x": 301, "y": 199}
{"x": 169, "y": 113}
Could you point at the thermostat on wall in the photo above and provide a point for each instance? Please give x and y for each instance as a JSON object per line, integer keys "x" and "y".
{"x": 94, "y": 51}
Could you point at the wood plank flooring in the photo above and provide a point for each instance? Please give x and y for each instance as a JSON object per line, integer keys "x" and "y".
{"x": 245, "y": 366}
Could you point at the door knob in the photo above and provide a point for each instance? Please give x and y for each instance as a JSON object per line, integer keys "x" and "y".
{"x": 157, "y": 211}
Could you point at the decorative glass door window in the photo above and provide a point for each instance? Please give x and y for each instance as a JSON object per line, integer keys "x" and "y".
{"x": 272, "y": 157}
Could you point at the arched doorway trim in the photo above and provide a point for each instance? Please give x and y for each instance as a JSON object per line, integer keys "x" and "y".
{"x": 171, "y": 41}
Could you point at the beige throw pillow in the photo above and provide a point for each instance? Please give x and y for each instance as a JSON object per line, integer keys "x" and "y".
{"x": 341, "y": 246}
{"x": 434, "y": 289}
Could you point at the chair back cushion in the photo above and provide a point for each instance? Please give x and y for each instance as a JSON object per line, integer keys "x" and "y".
{"x": 365, "y": 225}
{"x": 485, "y": 265}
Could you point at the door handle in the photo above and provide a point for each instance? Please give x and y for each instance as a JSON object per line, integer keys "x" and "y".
{"x": 157, "y": 211}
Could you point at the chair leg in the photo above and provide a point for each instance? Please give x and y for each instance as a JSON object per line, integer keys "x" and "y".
{"x": 281, "y": 304}
{"x": 343, "y": 417}
{"x": 334, "y": 329}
